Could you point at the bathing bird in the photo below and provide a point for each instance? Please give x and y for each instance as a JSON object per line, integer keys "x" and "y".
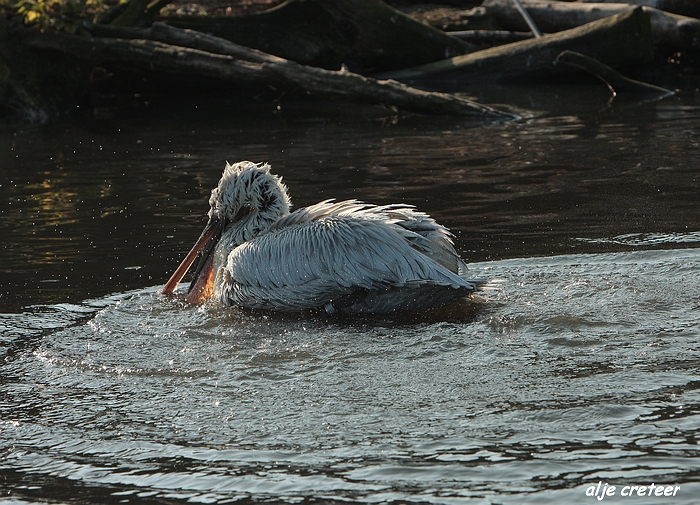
{"x": 346, "y": 256}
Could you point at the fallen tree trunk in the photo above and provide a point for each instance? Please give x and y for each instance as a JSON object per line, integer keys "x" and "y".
{"x": 622, "y": 38}
{"x": 555, "y": 16}
{"x": 192, "y": 39}
{"x": 258, "y": 68}
{"x": 550, "y": 16}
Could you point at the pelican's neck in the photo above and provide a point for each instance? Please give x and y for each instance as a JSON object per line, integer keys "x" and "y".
{"x": 258, "y": 223}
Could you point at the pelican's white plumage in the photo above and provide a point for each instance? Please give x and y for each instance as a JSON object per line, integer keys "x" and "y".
{"x": 336, "y": 256}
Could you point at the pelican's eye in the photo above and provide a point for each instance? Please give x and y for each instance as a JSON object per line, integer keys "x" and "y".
{"x": 244, "y": 211}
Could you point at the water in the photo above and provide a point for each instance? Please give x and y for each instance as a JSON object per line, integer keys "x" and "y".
{"x": 578, "y": 365}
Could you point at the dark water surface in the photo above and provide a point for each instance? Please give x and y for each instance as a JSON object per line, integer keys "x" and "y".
{"x": 579, "y": 364}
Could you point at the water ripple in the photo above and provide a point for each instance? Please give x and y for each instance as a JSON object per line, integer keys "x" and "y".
{"x": 571, "y": 369}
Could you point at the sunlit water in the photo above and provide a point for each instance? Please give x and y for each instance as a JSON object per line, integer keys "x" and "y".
{"x": 577, "y": 365}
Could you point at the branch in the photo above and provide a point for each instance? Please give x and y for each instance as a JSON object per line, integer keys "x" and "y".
{"x": 615, "y": 81}
{"x": 618, "y": 39}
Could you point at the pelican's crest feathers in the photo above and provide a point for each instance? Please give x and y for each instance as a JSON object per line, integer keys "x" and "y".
{"x": 248, "y": 184}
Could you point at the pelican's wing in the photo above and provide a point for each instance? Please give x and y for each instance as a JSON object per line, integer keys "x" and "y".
{"x": 426, "y": 236}
{"x": 421, "y": 231}
{"x": 333, "y": 252}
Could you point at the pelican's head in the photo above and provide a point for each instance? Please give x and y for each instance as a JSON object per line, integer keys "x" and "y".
{"x": 247, "y": 201}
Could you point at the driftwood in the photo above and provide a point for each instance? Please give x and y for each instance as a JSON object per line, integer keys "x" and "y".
{"x": 616, "y": 82}
{"x": 684, "y": 7}
{"x": 622, "y": 38}
{"x": 554, "y": 16}
{"x": 364, "y": 35}
{"x": 550, "y": 16}
{"x": 196, "y": 54}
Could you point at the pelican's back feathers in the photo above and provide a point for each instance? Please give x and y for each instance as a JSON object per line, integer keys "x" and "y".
{"x": 346, "y": 255}
{"x": 421, "y": 231}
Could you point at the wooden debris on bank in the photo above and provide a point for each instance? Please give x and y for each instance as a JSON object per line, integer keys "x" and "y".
{"x": 621, "y": 38}
{"x": 184, "y": 52}
{"x": 364, "y": 35}
{"x": 298, "y": 45}
{"x": 554, "y": 16}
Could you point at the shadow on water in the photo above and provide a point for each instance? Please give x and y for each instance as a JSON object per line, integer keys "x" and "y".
{"x": 579, "y": 365}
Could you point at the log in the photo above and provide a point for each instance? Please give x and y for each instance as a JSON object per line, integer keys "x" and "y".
{"x": 550, "y": 16}
{"x": 615, "y": 81}
{"x": 622, "y": 38}
{"x": 364, "y": 35}
{"x": 192, "y": 39}
{"x": 155, "y": 56}
{"x": 554, "y": 16}
{"x": 689, "y": 8}
{"x": 674, "y": 30}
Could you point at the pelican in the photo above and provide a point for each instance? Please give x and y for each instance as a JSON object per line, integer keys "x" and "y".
{"x": 344, "y": 256}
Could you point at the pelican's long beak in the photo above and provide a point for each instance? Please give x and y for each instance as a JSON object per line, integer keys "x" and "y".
{"x": 202, "y": 287}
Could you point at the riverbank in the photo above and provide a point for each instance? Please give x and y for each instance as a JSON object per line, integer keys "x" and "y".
{"x": 329, "y": 49}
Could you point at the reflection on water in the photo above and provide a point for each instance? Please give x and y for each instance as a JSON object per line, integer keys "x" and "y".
{"x": 88, "y": 212}
{"x": 578, "y": 365}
